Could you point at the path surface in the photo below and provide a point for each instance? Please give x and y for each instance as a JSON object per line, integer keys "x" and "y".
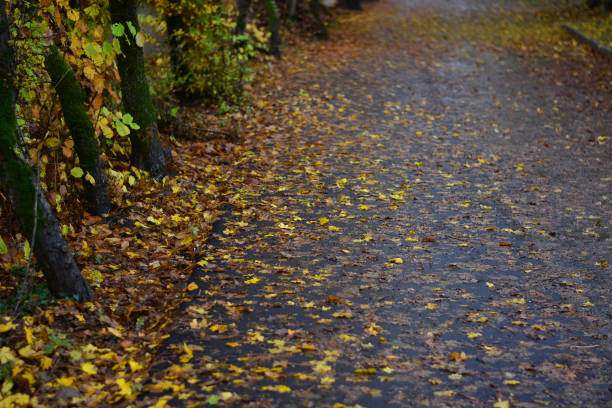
{"x": 426, "y": 223}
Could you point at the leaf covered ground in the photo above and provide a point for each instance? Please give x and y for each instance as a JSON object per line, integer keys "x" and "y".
{"x": 419, "y": 215}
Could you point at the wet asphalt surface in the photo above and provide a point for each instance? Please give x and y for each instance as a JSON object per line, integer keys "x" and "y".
{"x": 427, "y": 224}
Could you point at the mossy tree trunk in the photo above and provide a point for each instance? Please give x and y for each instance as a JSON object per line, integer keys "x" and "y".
{"x": 72, "y": 97}
{"x": 147, "y": 151}
{"x": 18, "y": 184}
{"x": 274, "y": 26}
{"x": 315, "y": 9}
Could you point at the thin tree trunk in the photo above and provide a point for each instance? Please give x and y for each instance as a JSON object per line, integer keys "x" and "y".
{"x": 315, "y": 9}
{"x": 292, "y": 8}
{"x": 147, "y": 151}
{"x": 274, "y": 25}
{"x": 351, "y": 4}
{"x": 182, "y": 75}
{"x": 244, "y": 7}
{"x": 17, "y": 179}
{"x": 72, "y": 97}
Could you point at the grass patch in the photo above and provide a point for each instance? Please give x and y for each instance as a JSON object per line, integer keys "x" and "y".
{"x": 598, "y": 28}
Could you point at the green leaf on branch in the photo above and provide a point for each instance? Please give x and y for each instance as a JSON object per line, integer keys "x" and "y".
{"x": 118, "y": 29}
{"x": 3, "y": 248}
{"x": 77, "y": 172}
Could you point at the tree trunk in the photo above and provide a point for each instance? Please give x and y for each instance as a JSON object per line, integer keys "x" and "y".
{"x": 315, "y": 9}
{"x": 351, "y": 4}
{"x": 72, "y": 97}
{"x": 182, "y": 74}
{"x": 244, "y": 7}
{"x": 292, "y": 8}
{"x": 147, "y": 150}
{"x": 274, "y": 25}
{"x": 18, "y": 183}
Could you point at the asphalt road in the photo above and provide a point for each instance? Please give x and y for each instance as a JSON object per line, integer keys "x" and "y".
{"x": 425, "y": 223}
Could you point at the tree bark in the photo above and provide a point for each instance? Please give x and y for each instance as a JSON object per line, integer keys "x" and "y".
{"x": 72, "y": 97}
{"x": 147, "y": 151}
{"x": 315, "y": 9}
{"x": 175, "y": 24}
{"x": 244, "y": 7}
{"x": 292, "y": 8}
{"x": 351, "y": 4}
{"x": 274, "y": 26}
{"x": 18, "y": 183}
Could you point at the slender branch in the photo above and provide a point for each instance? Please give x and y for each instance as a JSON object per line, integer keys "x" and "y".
{"x": 24, "y": 285}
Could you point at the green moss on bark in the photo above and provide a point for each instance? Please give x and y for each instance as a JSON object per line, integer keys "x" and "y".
{"x": 72, "y": 97}
{"x": 147, "y": 152}
{"x": 17, "y": 180}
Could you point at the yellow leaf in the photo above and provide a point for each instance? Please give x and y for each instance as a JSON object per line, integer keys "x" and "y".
{"x": 162, "y": 402}
{"x": 90, "y": 178}
{"x": 431, "y": 306}
{"x": 7, "y": 355}
{"x": 140, "y": 39}
{"x": 365, "y": 371}
{"x": 15, "y": 400}
{"x": 347, "y": 337}
{"x": 512, "y": 382}
{"x": 473, "y": 335}
{"x": 124, "y": 387}
{"x": 89, "y": 368}
{"x": 66, "y": 381}
{"x": 135, "y": 365}
{"x": 519, "y": 301}
{"x": 323, "y": 220}
{"x": 46, "y": 362}
{"x": 4, "y": 327}
{"x": 396, "y": 261}
{"x": 221, "y": 328}
{"x": 89, "y": 71}
{"x": 53, "y": 142}
{"x": 373, "y": 329}
{"x": 447, "y": 393}
{"x": 29, "y": 352}
{"x": 277, "y": 388}
{"x": 282, "y": 225}
{"x": 252, "y": 281}
{"x": 115, "y": 332}
{"x": 73, "y": 15}
{"x": 501, "y": 403}
{"x": 192, "y": 286}
{"x": 307, "y": 347}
